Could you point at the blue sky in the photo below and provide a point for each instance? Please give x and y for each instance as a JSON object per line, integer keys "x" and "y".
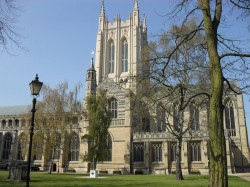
{"x": 59, "y": 35}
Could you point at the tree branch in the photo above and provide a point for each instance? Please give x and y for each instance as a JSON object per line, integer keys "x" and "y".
{"x": 244, "y": 4}
{"x": 231, "y": 88}
{"x": 234, "y": 54}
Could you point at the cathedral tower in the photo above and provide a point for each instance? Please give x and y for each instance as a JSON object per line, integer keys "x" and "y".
{"x": 119, "y": 47}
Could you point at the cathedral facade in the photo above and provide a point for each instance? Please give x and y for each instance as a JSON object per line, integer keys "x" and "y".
{"x": 137, "y": 143}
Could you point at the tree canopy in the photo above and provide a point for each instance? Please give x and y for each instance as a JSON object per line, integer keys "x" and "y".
{"x": 99, "y": 121}
{"x": 57, "y": 115}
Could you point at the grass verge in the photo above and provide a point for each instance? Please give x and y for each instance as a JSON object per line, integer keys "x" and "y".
{"x": 42, "y": 179}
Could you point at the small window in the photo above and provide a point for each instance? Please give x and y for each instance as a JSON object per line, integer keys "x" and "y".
{"x": 113, "y": 108}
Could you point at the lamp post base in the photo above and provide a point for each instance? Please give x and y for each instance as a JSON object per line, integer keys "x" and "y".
{"x": 93, "y": 174}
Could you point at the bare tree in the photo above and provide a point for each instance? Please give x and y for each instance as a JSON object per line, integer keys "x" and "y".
{"x": 8, "y": 34}
{"x": 226, "y": 62}
{"x": 176, "y": 83}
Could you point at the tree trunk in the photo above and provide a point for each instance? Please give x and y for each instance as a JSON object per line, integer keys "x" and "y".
{"x": 179, "y": 175}
{"x": 217, "y": 146}
{"x": 51, "y": 161}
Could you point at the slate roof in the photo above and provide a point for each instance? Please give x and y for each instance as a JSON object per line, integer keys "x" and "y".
{"x": 15, "y": 110}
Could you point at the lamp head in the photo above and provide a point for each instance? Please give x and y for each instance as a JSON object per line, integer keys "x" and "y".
{"x": 35, "y": 86}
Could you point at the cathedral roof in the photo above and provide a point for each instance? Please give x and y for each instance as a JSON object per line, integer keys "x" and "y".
{"x": 14, "y": 110}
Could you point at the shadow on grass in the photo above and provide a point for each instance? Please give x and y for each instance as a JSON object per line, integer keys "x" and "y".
{"x": 196, "y": 177}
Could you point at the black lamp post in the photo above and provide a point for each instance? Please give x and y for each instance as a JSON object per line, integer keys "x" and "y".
{"x": 35, "y": 87}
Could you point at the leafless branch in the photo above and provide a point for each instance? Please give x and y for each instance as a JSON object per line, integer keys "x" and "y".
{"x": 243, "y": 4}
{"x": 235, "y": 55}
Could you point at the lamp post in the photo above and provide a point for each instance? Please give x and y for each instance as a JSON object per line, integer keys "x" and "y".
{"x": 35, "y": 87}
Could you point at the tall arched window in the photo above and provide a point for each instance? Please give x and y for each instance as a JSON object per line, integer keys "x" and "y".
{"x": 195, "y": 151}
{"x": 173, "y": 151}
{"x": 23, "y": 123}
{"x": 22, "y": 142}
{"x": 156, "y": 152}
{"x": 161, "y": 119}
{"x": 10, "y": 123}
{"x": 75, "y": 120}
{"x": 74, "y": 147}
{"x": 229, "y": 116}
{"x": 145, "y": 124}
{"x": 57, "y": 146}
{"x": 109, "y": 146}
{"x": 3, "y": 123}
{"x": 124, "y": 56}
{"x": 16, "y": 123}
{"x": 111, "y": 57}
{"x": 54, "y": 144}
{"x": 194, "y": 117}
{"x": 113, "y": 108}
{"x": 6, "y": 146}
{"x": 38, "y": 146}
{"x": 138, "y": 152}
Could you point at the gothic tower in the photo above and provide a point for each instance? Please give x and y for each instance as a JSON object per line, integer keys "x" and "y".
{"x": 118, "y": 64}
{"x": 90, "y": 83}
{"x": 119, "y": 47}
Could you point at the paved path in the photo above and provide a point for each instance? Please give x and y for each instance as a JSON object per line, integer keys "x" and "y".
{"x": 245, "y": 176}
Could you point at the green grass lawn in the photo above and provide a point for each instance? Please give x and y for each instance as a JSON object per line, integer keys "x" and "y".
{"x": 40, "y": 179}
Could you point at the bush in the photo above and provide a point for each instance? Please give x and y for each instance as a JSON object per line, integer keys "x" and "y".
{"x": 138, "y": 172}
{"x": 117, "y": 172}
{"x": 4, "y": 166}
{"x": 71, "y": 170}
{"x": 103, "y": 172}
{"x": 35, "y": 168}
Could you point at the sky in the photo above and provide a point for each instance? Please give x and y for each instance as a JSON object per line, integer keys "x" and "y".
{"x": 57, "y": 37}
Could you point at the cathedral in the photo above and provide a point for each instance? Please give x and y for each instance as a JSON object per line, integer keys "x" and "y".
{"x": 137, "y": 143}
